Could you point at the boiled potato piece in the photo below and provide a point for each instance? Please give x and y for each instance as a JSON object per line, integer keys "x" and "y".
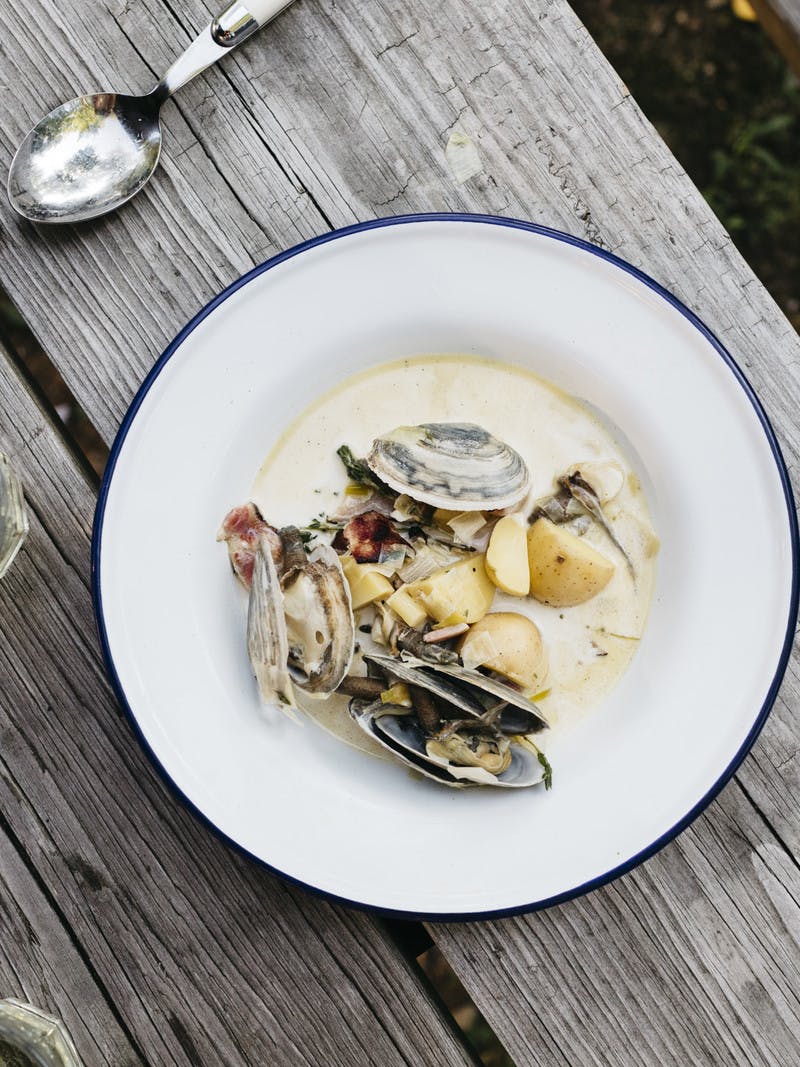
{"x": 565, "y": 570}
{"x": 366, "y": 584}
{"x": 507, "y": 557}
{"x": 462, "y": 591}
{"x": 509, "y": 644}
{"x": 410, "y": 610}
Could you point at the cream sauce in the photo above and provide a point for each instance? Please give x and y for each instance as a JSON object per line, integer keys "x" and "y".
{"x": 590, "y": 645}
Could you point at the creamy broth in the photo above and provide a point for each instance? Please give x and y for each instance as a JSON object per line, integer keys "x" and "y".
{"x": 590, "y": 645}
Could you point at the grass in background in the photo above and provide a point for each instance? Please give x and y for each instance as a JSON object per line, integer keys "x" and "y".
{"x": 726, "y": 103}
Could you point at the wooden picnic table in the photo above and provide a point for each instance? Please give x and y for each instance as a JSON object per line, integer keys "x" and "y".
{"x": 119, "y": 911}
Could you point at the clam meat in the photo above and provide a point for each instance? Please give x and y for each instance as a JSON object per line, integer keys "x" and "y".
{"x": 577, "y": 496}
{"x": 452, "y": 465}
{"x": 300, "y": 626}
{"x": 466, "y": 753}
{"x": 514, "y": 711}
{"x": 318, "y": 614}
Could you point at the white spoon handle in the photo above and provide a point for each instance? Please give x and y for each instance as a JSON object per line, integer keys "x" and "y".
{"x": 243, "y": 17}
{"x": 233, "y": 25}
{"x": 265, "y": 10}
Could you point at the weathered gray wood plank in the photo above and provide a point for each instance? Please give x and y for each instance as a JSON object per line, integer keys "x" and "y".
{"x": 771, "y": 774}
{"x": 692, "y": 959}
{"x": 122, "y": 286}
{"x": 781, "y": 20}
{"x": 40, "y": 965}
{"x": 208, "y": 958}
{"x": 355, "y": 105}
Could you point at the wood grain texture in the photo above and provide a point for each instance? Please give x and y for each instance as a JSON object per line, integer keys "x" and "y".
{"x": 693, "y": 958}
{"x": 781, "y": 20}
{"x": 40, "y": 965}
{"x": 208, "y": 958}
{"x": 342, "y": 112}
{"x": 337, "y": 112}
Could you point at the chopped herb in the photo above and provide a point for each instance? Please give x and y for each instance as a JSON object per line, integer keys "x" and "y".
{"x": 323, "y": 524}
{"x": 307, "y": 536}
{"x": 548, "y": 770}
{"x": 358, "y": 471}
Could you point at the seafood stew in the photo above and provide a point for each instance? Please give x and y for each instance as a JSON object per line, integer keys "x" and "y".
{"x": 458, "y": 598}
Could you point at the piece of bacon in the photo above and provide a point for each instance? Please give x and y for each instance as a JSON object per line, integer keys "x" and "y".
{"x": 368, "y": 537}
{"x": 242, "y": 529}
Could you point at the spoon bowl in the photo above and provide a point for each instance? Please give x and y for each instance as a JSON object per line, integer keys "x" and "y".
{"x": 94, "y": 153}
{"x": 86, "y": 157}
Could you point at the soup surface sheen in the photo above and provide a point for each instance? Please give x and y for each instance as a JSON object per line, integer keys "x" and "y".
{"x": 590, "y": 645}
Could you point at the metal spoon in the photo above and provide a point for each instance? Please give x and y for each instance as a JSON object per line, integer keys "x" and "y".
{"x": 93, "y": 153}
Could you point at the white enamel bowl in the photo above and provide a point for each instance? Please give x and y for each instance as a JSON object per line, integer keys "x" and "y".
{"x": 631, "y": 776}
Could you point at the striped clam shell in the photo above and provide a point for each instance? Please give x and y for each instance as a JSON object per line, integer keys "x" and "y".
{"x": 454, "y": 465}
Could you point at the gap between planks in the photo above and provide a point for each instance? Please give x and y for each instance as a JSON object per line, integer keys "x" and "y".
{"x": 206, "y": 957}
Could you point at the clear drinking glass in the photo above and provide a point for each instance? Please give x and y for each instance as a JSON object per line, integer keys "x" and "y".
{"x": 13, "y": 518}
{"x": 30, "y": 1037}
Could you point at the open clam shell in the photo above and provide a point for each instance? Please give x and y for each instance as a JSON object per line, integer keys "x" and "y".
{"x": 401, "y": 735}
{"x": 267, "y": 642}
{"x": 520, "y": 716}
{"x": 300, "y": 626}
{"x": 418, "y": 673}
{"x": 405, "y": 740}
{"x": 453, "y": 465}
{"x": 318, "y": 616}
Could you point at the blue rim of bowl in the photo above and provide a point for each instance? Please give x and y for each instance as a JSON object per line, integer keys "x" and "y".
{"x": 609, "y": 257}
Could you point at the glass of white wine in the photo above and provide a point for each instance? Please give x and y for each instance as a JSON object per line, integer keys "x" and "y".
{"x": 13, "y": 517}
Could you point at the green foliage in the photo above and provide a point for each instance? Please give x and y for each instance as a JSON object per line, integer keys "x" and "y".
{"x": 755, "y": 180}
{"x": 723, "y": 98}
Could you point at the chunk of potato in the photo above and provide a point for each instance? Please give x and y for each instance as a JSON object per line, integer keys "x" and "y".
{"x": 508, "y": 643}
{"x": 565, "y": 570}
{"x": 463, "y": 591}
{"x": 366, "y": 584}
{"x": 410, "y": 611}
{"x": 507, "y": 557}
